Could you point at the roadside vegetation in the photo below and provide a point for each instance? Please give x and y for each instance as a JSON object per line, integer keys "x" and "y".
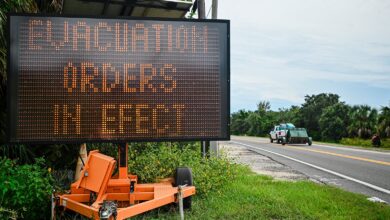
{"x": 24, "y": 190}
{"x": 225, "y": 190}
{"x": 252, "y": 196}
{"x": 26, "y": 187}
{"x": 358, "y": 143}
{"x": 324, "y": 116}
{"x": 364, "y": 142}
{"x": 154, "y": 161}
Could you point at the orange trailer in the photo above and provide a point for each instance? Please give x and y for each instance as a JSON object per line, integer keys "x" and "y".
{"x": 99, "y": 195}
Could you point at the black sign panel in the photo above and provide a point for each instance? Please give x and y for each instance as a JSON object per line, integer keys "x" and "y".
{"x": 101, "y": 79}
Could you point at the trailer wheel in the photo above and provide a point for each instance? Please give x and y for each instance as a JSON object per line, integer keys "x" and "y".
{"x": 309, "y": 142}
{"x": 284, "y": 141}
{"x": 183, "y": 176}
{"x": 272, "y": 140}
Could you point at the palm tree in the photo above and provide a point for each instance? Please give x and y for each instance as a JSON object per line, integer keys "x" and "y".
{"x": 263, "y": 107}
{"x": 384, "y": 121}
{"x": 363, "y": 121}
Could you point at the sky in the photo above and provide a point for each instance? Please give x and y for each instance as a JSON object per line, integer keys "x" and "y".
{"x": 282, "y": 50}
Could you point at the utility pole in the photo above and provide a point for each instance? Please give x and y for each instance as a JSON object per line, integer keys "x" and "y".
{"x": 201, "y": 9}
{"x": 214, "y": 10}
{"x": 214, "y": 15}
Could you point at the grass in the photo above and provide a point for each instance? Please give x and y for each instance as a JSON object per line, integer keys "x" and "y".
{"x": 385, "y": 143}
{"x": 252, "y": 196}
{"x": 358, "y": 142}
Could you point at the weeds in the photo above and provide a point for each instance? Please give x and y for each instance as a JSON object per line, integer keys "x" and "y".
{"x": 385, "y": 143}
{"x": 25, "y": 189}
{"x": 154, "y": 161}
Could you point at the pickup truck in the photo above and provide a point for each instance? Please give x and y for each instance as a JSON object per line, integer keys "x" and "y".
{"x": 279, "y": 132}
{"x": 288, "y": 133}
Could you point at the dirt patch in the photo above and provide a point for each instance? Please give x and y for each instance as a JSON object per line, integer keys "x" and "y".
{"x": 260, "y": 164}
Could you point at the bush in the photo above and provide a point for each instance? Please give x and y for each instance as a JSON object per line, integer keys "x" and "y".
{"x": 154, "y": 161}
{"x": 385, "y": 143}
{"x": 25, "y": 189}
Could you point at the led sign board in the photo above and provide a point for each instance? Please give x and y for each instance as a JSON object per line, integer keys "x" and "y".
{"x": 75, "y": 79}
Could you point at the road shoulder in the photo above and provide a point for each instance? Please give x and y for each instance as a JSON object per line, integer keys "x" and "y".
{"x": 261, "y": 164}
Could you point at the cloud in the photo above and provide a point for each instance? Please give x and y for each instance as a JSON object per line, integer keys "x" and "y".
{"x": 283, "y": 50}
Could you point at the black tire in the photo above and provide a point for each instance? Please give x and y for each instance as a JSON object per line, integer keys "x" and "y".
{"x": 183, "y": 176}
{"x": 272, "y": 140}
{"x": 309, "y": 142}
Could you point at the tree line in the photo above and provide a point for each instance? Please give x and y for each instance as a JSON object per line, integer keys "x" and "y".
{"x": 324, "y": 116}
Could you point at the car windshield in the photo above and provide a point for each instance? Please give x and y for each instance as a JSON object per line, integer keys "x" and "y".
{"x": 286, "y": 126}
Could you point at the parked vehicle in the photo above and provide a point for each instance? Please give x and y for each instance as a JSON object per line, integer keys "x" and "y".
{"x": 288, "y": 133}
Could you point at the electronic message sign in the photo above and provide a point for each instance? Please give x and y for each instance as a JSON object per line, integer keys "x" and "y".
{"x": 78, "y": 79}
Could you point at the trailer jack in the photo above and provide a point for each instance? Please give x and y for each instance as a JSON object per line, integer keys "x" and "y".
{"x": 120, "y": 197}
{"x": 108, "y": 210}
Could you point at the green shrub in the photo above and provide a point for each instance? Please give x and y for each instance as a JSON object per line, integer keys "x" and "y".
{"x": 25, "y": 189}
{"x": 385, "y": 143}
{"x": 356, "y": 142}
{"x": 154, "y": 161}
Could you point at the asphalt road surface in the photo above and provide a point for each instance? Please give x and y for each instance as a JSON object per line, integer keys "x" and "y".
{"x": 356, "y": 170}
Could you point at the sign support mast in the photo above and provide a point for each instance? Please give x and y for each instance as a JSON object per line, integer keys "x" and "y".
{"x": 202, "y": 15}
{"x": 214, "y": 15}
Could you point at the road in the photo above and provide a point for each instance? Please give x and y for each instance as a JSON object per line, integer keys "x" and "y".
{"x": 356, "y": 170}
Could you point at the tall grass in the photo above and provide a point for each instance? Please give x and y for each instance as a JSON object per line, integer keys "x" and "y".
{"x": 385, "y": 143}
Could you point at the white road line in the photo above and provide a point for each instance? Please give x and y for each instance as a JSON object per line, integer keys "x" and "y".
{"x": 377, "y": 188}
